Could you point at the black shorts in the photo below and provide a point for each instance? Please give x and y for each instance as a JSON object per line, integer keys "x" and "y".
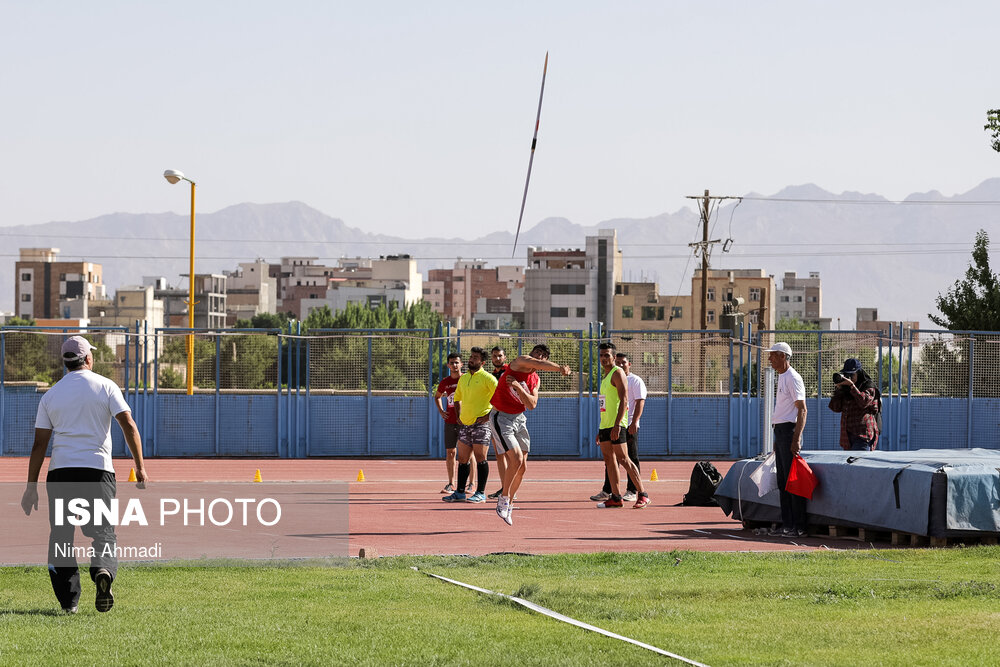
{"x": 604, "y": 435}
{"x": 450, "y": 435}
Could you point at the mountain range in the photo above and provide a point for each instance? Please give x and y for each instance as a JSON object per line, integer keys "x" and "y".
{"x": 870, "y": 252}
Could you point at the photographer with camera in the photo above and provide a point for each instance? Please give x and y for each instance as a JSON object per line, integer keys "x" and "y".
{"x": 859, "y": 402}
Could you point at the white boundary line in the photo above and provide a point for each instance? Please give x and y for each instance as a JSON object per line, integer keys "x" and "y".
{"x": 565, "y": 619}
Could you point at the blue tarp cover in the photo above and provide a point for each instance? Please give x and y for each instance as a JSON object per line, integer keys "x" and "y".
{"x": 895, "y": 491}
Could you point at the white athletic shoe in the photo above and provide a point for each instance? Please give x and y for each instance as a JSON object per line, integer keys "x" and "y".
{"x": 504, "y": 510}
{"x": 629, "y": 497}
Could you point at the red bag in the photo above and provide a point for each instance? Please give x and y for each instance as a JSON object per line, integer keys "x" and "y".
{"x": 801, "y": 479}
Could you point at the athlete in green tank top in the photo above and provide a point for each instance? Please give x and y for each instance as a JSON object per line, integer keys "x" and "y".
{"x": 613, "y": 425}
{"x": 610, "y": 402}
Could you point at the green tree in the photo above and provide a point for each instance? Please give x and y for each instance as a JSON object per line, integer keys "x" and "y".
{"x": 972, "y": 304}
{"x": 170, "y": 379}
{"x": 31, "y": 357}
{"x": 322, "y": 318}
{"x": 266, "y": 321}
{"x": 993, "y": 127}
{"x": 399, "y": 361}
{"x": 104, "y": 357}
{"x": 795, "y": 324}
{"x": 249, "y": 362}
{"x": 175, "y": 352}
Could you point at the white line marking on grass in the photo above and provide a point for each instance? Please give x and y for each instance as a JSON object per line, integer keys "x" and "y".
{"x": 565, "y": 619}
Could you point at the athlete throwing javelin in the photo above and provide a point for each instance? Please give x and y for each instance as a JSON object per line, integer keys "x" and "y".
{"x": 516, "y": 392}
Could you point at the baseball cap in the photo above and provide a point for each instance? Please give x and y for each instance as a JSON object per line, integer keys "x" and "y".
{"x": 75, "y": 347}
{"x": 781, "y": 347}
{"x": 851, "y": 366}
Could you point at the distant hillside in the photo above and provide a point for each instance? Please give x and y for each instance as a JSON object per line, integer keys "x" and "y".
{"x": 833, "y": 234}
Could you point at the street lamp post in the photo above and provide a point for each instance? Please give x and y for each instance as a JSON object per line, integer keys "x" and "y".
{"x": 174, "y": 176}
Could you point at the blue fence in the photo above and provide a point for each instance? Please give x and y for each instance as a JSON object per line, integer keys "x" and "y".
{"x": 269, "y": 393}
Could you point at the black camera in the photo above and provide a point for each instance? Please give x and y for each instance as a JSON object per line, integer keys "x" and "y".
{"x": 838, "y": 378}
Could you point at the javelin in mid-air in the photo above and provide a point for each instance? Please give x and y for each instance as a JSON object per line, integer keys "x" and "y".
{"x": 534, "y": 141}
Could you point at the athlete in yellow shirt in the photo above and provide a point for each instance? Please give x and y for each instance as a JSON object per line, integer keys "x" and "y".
{"x": 472, "y": 398}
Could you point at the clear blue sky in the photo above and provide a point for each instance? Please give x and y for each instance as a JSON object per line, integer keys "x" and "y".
{"x": 415, "y": 118}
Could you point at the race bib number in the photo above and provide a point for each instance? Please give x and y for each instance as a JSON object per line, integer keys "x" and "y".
{"x": 451, "y": 400}
{"x": 601, "y": 402}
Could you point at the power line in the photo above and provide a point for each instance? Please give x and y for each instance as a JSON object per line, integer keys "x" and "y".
{"x": 907, "y": 202}
{"x": 472, "y": 243}
{"x": 846, "y": 252}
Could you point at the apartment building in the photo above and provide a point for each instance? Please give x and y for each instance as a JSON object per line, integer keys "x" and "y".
{"x": 250, "y": 290}
{"x": 802, "y": 299}
{"x": 867, "y": 320}
{"x": 755, "y": 286}
{"x": 43, "y": 281}
{"x": 390, "y": 279}
{"x": 570, "y": 288}
{"x": 210, "y": 302}
{"x": 639, "y": 306}
{"x": 456, "y": 292}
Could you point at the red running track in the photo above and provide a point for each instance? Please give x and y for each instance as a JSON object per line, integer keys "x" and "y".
{"x": 398, "y": 508}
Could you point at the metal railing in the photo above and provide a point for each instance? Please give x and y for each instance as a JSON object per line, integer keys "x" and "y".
{"x": 283, "y": 393}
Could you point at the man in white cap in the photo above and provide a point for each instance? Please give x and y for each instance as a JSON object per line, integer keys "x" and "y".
{"x": 788, "y": 420}
{"x": 76, "y": 415}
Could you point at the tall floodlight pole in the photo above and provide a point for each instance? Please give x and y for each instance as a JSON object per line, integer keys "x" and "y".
{"x": 174, "y": 176}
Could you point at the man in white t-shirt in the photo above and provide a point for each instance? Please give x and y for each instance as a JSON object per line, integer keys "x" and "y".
{"x": 636, "y": 404}
{"x": 76, "y": 415}
{"x": 788, "y": 420}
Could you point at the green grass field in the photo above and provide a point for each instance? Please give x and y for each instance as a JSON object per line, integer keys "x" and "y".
{"x": 901, "y": 607}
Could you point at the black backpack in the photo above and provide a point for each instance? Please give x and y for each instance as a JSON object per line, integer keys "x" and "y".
{"x": 705, "y": 479}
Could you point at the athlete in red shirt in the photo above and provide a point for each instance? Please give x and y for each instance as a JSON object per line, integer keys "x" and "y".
{"x": 516, "y": 392}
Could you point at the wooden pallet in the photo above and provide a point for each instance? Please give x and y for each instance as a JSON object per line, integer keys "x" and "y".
{"x": 908, "y": 539}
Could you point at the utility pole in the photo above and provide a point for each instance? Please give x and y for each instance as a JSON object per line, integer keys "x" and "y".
{"x": 705, "y": 248}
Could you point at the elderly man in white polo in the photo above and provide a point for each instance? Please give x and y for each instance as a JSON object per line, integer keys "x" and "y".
{"x": 76, "y": 415}
{"x": 788, "y": 420}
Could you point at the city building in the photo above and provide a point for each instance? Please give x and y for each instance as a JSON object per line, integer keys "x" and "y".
{"x": 250, "y": 290}
{"x": 455, "y": 293}
{"x": 802, "y": 299}
{"x": 298, "y": 278}
{"x": 390, "y": 279}
{"x": 131, "y": 304}
{"x": 755, "y": 287}
{"x": 867, "y": 320}
{"x": 42, "y": 281}
{"x": 638, "y": 305}
{"x": 209, "y": 297}
{"x": 569, "y": 289}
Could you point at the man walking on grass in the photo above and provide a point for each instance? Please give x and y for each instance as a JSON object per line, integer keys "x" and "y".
{"x": 613, "y": 405}
{"x": 516, "y": 392}
{"x": 76, "y": 415}
{"x": 472, "y": 396}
